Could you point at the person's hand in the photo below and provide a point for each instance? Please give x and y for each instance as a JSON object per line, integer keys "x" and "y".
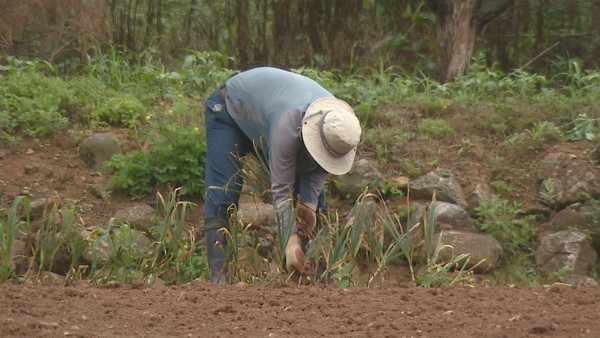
{"x": 294, "y": 257}
{"x": 306, "y": 220}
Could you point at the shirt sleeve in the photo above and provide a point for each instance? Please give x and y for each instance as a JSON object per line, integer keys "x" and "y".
{"x": 286, "y": 142}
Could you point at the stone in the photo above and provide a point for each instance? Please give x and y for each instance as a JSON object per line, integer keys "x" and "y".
{"x": 484, "y": 250}
{"x": 580, "y": 217}
{"x": 563, "y": 180}
{"x": 101, "y": 248}
{"x": 569, "y": 250}
{"x": 257, "y": 213}
{"x": 480, "y": 192}
{"x": 140, "y": 216}
{"x": 578, "y": 280}
{"x": 361, "y": 175}
{"x": 448, "y": 216}
{"x": 39, "y": 207}
{"x": 440, "y": 182}
{"x": 97, "y": 149}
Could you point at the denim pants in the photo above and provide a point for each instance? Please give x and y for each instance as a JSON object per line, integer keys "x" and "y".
{"x": 224, "y": 138}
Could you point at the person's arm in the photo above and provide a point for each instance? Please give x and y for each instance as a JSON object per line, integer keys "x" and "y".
{"x": 310, "y": 186}
{"x": 284, "y": 145}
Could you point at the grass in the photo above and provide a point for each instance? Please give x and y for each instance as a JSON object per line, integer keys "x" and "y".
{"x": 8, "y": 230}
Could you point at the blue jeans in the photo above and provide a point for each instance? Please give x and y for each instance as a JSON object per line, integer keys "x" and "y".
{"x": 224, "y": 138}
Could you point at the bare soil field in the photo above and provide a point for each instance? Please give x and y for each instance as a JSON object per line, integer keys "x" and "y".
{"x": 282, "y": 310}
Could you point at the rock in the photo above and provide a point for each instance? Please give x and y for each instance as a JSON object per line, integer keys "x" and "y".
{"x": 362, "y": 174}
{"x": 594, "y": 155}
{"x": 366, "y": 216}
{"x": 564, "y": 180}
{"x": 401, "y": 182}
{"x": 565, "y": 250}
{"x": 21, "y": 254}
{"x": 102, "y": 248}
{"x": 481, "y": 192}
{"x": 30, "y": 169}
{"x": 99, "y": 190}
{"x": 261, "y": 214}
{"x": 97, "y": 149}
{"x": 48, "y": 278}
{"x": 140, "y": 216}
{"x": 581, "y": 217}
{"x": 448, "y": 216}
{"x": 453, "y": 215}
{"x": 482, "y": 248}
{"x": 442, "y": 183}
{"x": 39, "y": 207}
{"x": 578, "y": 280}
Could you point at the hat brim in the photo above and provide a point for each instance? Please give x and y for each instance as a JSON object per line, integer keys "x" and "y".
{"x": 337, "y": 165}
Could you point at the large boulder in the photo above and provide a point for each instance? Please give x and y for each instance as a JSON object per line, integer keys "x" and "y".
{"x": 97, "y": 149}
{"x": 441, "y": 182}
{"x": 140, "y": 216}
{"x": 581, "y": 217}
{"x": 564, "y": 180}
{"x": 562, "y": 250}
{"x": 484, "y": 250}
{"x": 362, "y": 174}
{"x": 448, "y": 216}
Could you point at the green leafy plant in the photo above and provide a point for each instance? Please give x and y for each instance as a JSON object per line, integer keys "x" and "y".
{"x": 124, "y": 255}
{"x": 134, "y": 173}
{"x": 386, "y": 253}
{"x": 501, "y": 187}
{"x": 172, "y": 250}
{"x": 411, "y": 169}
{"x": 583, "y": 127}
{"x": 8, "y": 230}
{"x": 330, "y": 250}
{"x": 436, "y": 272}
{"x": 122, "y": 110}
{"x": 176, "y": 156}
{"x": 548, "y": 192}
{"x": 435, "y": 128}
{"x": 60, "y": 227}
{"x": 31, "y": 103}
{"x": 507, "y": 223}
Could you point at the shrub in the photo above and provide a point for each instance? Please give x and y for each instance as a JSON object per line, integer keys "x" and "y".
{"x": 507, "y": 223}
{"x": 176, "y": 156}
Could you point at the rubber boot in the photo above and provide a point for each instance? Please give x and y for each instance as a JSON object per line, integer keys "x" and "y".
{"x": 215, "y": 248}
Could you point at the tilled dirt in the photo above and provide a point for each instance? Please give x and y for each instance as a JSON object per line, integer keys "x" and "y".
{"x": 283, "y": 310}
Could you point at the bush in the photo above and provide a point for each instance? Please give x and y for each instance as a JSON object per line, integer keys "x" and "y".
{"x": 123, "y": 110}
{"x": 505, "y": 222}
{"x": 176, "y": 156}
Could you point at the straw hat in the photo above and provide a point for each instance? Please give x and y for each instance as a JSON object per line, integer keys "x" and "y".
{"x": 331, "y": 133}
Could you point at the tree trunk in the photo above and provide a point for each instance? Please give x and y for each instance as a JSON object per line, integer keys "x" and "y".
{"x": 457, "y": 25}
{"x": 241, "y": 13}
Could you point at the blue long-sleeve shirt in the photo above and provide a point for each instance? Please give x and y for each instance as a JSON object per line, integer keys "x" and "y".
{"x": 269, "y": 102}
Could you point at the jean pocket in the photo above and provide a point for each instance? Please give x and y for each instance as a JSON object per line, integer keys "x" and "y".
{"x": 215, "y": 105}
